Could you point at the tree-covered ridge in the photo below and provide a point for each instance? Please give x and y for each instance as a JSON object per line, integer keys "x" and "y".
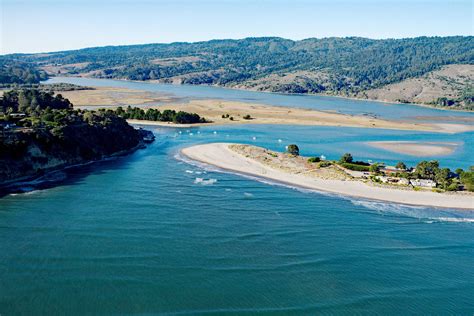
{"x": 40, "y": 132}
{"x": 14, "y": 72}
{"x": 347, "y": 65}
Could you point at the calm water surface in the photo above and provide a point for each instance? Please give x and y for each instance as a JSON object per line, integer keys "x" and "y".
{"x": 341, "y": 105}
{"x": 150, "y": 233}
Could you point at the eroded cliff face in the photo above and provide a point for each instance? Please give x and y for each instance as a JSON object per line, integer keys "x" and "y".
{"x": 27, "y": 153}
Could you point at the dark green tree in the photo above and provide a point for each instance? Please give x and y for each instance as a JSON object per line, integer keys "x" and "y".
{"x": 401, "y": 166}
{"x": 346, "y": 158}
{"x": 293, "y": 150}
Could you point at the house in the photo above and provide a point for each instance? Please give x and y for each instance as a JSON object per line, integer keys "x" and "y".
{"x": 395, "y": 180}
{"x": 391, "y": 170}
{"x": 17, "y": 115}
{"x": 424, "y": 183}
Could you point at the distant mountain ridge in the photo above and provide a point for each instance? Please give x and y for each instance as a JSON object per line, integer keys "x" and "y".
{"x": 338, "y": 66}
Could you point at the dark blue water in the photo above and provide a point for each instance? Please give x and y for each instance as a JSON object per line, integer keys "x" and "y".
{"x": 149, "y": 234}
{"x": 341, "y": 105}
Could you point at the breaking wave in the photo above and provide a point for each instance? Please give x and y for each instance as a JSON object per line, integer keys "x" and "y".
{"x": 427, "y": 214}
{"x": 203, "y": 181}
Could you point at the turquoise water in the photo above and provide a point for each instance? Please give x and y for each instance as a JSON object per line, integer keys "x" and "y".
{"x": 142, "y": 234}
{"x": 153, "y": 233}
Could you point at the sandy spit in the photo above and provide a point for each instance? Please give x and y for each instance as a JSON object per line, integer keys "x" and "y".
{"x": 220, "y": 155}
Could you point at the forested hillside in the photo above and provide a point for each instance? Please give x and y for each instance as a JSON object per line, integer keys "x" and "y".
{"x": 343, "y": 66}
{"x": 13, "y": 71}
{"x": 40, "y": 131}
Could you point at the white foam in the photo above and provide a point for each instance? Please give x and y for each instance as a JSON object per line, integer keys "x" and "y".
{"x": 431, "y": 215}
{"x": 419, "y": 212}
{"x": 203, "y": 181}
{"x": 454, "y": 219}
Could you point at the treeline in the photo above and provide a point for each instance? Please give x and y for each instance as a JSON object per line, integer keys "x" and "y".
{"x": 350, "y": 64}
{"x": 14, "y": 72}
{"x": 428, "y": 170}
{"x": 179, "y": 117}
{"x": 444, "y": 178}
{"x": 28, "y": 100}
{"x": 465, "y": 101}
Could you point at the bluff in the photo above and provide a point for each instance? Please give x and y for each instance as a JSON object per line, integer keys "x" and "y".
{"x": 51, "y": 135}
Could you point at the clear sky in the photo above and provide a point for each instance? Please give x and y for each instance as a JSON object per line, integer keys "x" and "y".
{"x": 52, "y": 25}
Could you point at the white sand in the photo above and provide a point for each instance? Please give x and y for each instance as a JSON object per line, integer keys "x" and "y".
{"x": 219, "y": 154}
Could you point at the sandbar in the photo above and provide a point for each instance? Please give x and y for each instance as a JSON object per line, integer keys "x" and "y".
{"x": 419, "y": 149}
{"x": 223, "y": 156}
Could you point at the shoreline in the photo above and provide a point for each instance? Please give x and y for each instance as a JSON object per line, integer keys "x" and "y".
{"x": 213, "y": 110}
{"x": 424, "y": 105}
{"x": 221, "y": 156}
{"x": 16, "y": 183}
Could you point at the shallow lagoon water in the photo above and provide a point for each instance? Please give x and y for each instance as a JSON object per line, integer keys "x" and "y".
{"x": 150, "y": 233}
{"x": 341, "y": 105}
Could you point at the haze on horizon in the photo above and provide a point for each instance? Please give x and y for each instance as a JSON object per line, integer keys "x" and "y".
{"x": 30, "y": 26}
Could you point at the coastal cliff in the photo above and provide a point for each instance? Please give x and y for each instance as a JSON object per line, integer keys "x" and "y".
{"x": 52, "y": 136}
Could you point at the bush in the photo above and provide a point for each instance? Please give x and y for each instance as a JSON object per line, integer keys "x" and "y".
{"x": 375, "y": 168}
{"x": 467, "y": 178}
{"x": 355, "y": 167}
{"x": 231, "y": 118}
{"x": 293, "y": 150}
{"x": 324, "y": 164}
{"x": 247, "y": 117}
{"x": 452, "y": 187}
{"x": 314, "y": 159}
{"x": 346, "y": 158}
{"x": 401, "y": 166}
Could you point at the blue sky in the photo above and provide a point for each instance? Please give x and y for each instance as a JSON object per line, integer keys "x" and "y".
{"x": 53, "y": 25}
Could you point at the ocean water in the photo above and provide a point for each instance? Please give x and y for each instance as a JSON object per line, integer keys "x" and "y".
{"x": 153, "y": 233}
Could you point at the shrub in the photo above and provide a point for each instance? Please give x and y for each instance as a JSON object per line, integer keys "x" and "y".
{"x": 324, "y": 164}
{"x": 375, "y": 168}
{"x": 293, "y": 150}
{"x": 247, "y": 117}
{"x": 355, "y": 167}
{"x": 314, "y": 159}
{"x": 346, "y": 158}
{"x": 467, "y": 178}
{"x": 231, "y": 118}
{"x": 400, "y": 165}
{"x": 452, "y": 187}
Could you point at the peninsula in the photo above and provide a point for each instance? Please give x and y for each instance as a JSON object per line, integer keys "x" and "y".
{"x": 41, "y": 132}
{"x": 328, "y": 176}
